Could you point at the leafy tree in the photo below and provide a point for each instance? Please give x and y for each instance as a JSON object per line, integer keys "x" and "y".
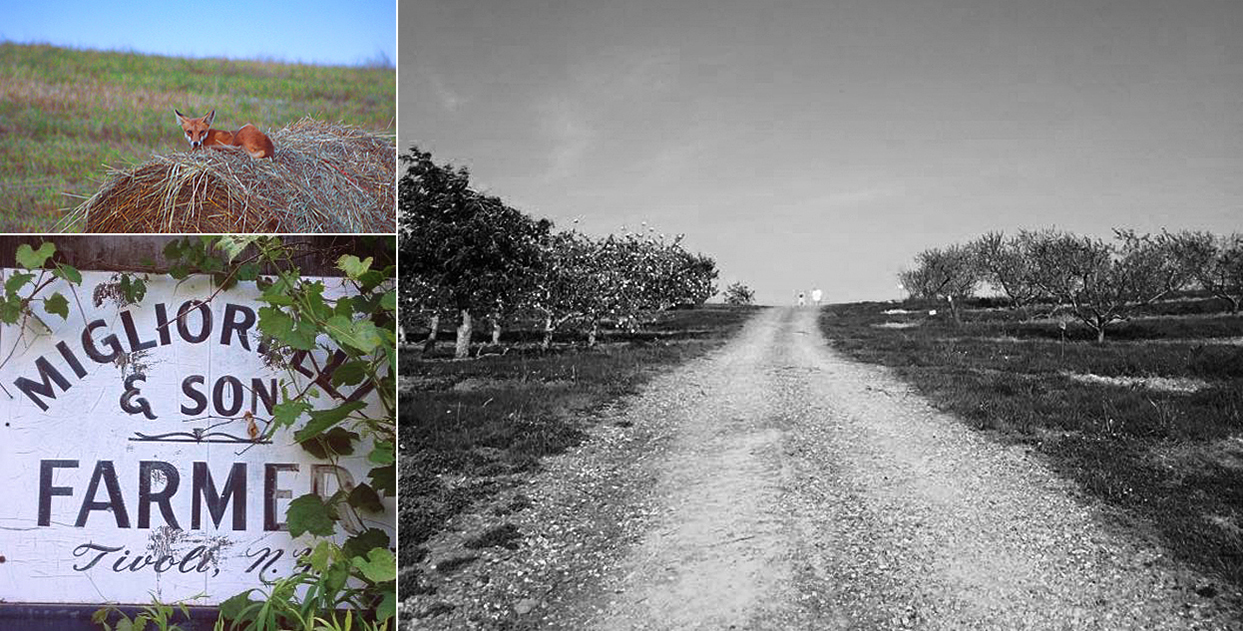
{"x": 671, "y": 276}
{"x": 739, "y": 294}
{"x": 615, "y": 285}
{"x": 564, "y": 288}
{"x": 699, "y": 276}
{"x": 478, "y": 254}
{"x": 421, "y": 301}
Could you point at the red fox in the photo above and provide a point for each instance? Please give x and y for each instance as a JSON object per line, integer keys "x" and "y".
{"x": 200, "y": 134}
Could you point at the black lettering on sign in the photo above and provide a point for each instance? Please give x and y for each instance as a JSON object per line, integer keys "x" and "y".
{"x": 137, "y": 564}
{"x": 46, "y": 469}
{"x": 232, "y": 325}
{"x": 234, "y": 392}
{"x": 104, "y": 471}
{"x": 140, "y": 562}
{"x": 263, "y": 554}
{"x": 110, "y": 340}
{"x": 204, "y": 556}
{"x": 146, "y": 471}
{"x": 48, "y": 375}
{"x": 296, "y": 362}
{"x": 183, "y": 315}
{"x": 161, "y": 326}
{"x": 131, "y": 334}
{"x": 324, "y": 377}
{"x": 205, "y": 489}
{"x": 200, "y": 399}
{"x": 89, "y": 547}
{"x": 71, "y": 359}
{"x": 160, "y": 569}
{"x": 130, "y": 402}
{"x": 271, "y": 493}
{"x": 259, "y": 393}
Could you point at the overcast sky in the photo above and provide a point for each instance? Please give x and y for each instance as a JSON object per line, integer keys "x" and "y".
{"x": 310, "y": 31}
{"x": 824, "y": 143}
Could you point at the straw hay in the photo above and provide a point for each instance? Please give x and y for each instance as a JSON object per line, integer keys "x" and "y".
{"x": 324, "y": 178}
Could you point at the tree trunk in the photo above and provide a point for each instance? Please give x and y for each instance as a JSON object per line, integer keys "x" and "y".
{"x": 547, "y": 333}
{"x": 430, "y": 342}
{"x": 591, "y": 335}
{"x": 496, "y": 331}
{"x": 1100, "y": 333}
{"x": 462, "y": 351}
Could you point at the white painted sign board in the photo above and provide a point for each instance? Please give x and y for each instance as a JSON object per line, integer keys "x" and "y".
{"x": 127, "y": 467}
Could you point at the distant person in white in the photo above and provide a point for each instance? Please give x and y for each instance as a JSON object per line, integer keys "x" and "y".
{"x": 816, "y": 295}
{"x": 802, "y": 299}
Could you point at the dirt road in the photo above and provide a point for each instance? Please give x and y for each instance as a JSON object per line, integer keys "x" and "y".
{"x": 777, "y": 485}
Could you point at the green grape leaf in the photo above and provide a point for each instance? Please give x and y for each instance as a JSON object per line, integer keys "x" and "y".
{"x": 57, "y": 304}
{"x": 379, "y": 566}
{"x": 31, "y": 258}
{"x": 310, "y": 514}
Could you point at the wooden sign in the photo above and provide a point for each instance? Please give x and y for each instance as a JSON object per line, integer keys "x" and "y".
{"x": 132, "y": 457}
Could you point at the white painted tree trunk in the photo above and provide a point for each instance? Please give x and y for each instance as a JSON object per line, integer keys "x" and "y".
{"x": 462, "y": 351}
{"x": 430, "y": 342}
{"x": 547, "y": 333}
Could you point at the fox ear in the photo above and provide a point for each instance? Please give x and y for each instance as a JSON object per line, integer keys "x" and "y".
{"x": 180, "y": 116}
{"x": 210, "y": 117}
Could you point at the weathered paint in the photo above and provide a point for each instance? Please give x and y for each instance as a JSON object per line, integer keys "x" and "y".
{"x": 127, "y": 467}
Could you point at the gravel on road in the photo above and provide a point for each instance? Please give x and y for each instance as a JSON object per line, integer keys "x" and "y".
{"x": 775, "y": 484}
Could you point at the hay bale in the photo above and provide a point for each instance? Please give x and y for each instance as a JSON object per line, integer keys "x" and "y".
{"x": 324, "y": 178}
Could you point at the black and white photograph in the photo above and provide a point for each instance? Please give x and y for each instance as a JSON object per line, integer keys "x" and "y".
{"x": 806, "y": 315}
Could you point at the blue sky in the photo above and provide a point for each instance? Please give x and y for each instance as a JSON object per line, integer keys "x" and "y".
{"x": 330, "y": 32}
{"x": 824, "y": 143}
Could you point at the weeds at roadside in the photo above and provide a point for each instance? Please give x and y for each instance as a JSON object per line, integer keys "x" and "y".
{"x": 471, "y": 430}
{"x": 1170, "y": 462}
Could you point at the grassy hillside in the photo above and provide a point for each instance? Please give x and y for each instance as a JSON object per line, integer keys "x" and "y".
{"x": 1150, "y": 423}
{"x": 65, "y": 114}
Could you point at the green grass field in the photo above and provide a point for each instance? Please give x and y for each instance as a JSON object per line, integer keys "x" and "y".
{"x": 467, "y": 427}
{"x": 1150, "y": 423}
{"x": 66, "y": 115}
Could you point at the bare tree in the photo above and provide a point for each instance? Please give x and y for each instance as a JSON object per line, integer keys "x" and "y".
{"x": 1214, "y": 262}
{"x": 943, "y": 273}
{"x": 1004, "y": 264}
{"x": 1103, "y": 283}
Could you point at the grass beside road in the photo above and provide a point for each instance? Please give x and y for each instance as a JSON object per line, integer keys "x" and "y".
{"x": 470, "y": 428}
{"x": 1150, "y": 423}
{"x": 66, "y": 114}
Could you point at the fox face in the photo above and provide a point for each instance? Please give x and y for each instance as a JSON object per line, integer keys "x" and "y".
{"x": 196, "y": 128}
